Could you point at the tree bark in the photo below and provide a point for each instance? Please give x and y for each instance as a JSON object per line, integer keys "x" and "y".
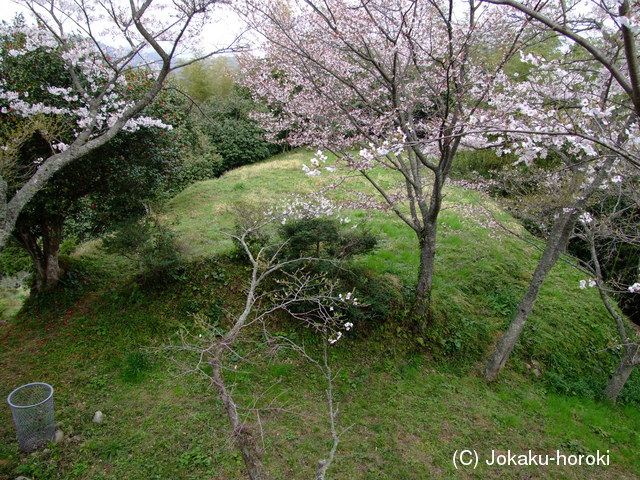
{"x": 422, "y": 303}
{"x": 43, "y": 246}
{"x": 556, "y": 244}
{"x": 242, "y": 433}
{"x": 621, "y": 375}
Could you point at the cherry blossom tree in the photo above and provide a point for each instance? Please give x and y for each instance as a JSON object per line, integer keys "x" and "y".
{"x": 570, "y": 186}
{"x": 383, "y": 84}
{"x": 605, "y": 30}
{"x": 272, "y": 287}
{"x": 576, "y": 105}
{"x": 100, "y": 44}
{"x": 606, "y": 229}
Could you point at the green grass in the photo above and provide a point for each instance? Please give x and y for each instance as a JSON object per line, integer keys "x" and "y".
{"x": 480, "y": 275}
{"x": 11, "y": 300}
{"x": 409, "y": 403}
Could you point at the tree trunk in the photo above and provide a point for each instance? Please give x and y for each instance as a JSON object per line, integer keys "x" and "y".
{"x": 621, "y": 375}
{"x": 422, "y": 304}
{"x": 43, "y": 246}
{"x": 242, "y": 433}
{"x": 4, "y": 234}
{"x": 556, "y": 244}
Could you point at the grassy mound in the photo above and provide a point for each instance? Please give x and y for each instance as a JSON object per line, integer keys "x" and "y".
{"x": 410, "y": 401}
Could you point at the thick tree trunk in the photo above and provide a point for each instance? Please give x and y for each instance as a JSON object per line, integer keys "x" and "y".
{"x": 622, "y": 373}
{"x": 556, "y": 244}
{"x": 422, "y": 304}
{"x": 43, "y": 246}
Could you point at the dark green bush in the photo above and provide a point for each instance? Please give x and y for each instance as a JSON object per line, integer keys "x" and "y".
{"x": 325, "y": 238}
{"x": 14, "y": 260}
{"x": 239, "y": 142}
{"x": 196, "y": 169}
{"x": 469, "y": 163}
{"x": 229, "y": 128}
{"x": 150, "y": 244}
{"x": 337, "y": 245}
{"x": 379, "y": 298}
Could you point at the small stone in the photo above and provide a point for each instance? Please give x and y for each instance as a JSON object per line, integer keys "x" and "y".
{"x": 22, "y": 478}
{"x": 536, "y": 372}
{"x": 59, "y": 436}
{"x": 97, "y": 417}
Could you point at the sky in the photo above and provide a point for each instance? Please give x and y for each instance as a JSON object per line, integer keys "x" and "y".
{"x": 223, "y": 29}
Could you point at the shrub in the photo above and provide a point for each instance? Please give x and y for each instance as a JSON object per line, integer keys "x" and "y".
{"x": 150, "y": 244}
{"x": 196, "y": 169}
{"x": 239, "y": 142}
{"x": 325, "y": 238}
{"x": 14, "y": 260}
{"x": 236, "y": 136}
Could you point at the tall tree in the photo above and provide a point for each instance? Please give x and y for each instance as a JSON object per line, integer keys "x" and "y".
{"x": 580, "y": 103}
{"x": 608, "y": 229}
{"x": 400, "y": 81}
{"x": 114, "y": 183}
{"x": 117, "y": 176}
{"x": 96, "y": 102}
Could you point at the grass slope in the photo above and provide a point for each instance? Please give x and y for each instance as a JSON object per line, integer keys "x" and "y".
{"x": 411, "y": 402}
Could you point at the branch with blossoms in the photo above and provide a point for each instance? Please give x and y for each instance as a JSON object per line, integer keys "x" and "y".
{"x": 312, "y": 300}
{"x": 606, "y": 31}
{"x": 628, "y": 343}
{"x": 563, "y": 103}
{"x": 96, "y": 97}
{"x": 381, "y": 84}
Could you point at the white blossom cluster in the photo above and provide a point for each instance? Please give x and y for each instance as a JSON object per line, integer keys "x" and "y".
{"x": 145, "y": 122}
{"x": 33, "y": 38}
{"x": 348, "y": 299}
{"x": 590, "y": 283}
{"x": 585, "y": 218}
{"x": 304, "y": 207}
{"x": 316, "y": 165}
{"x": 312, "y": 206}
